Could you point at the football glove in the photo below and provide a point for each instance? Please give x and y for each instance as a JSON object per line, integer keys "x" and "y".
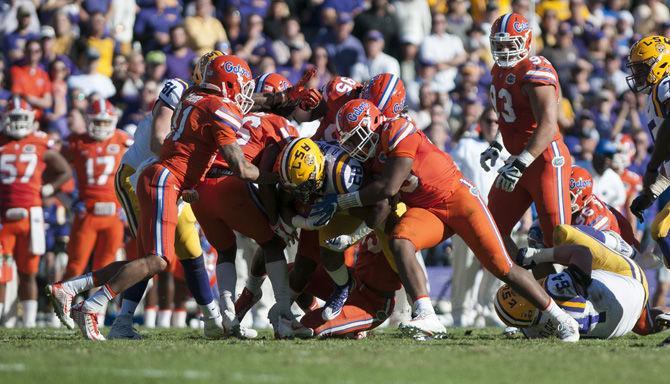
{"x": 491, "y": 154}
{"x": 509, "y": 175}
{"x": 285, "y": 231}
{"x": 190, "y": 196}
{"x": 47, "y": 190}
{"x": 643, "y": 201}
{"x": 323, "y": 210}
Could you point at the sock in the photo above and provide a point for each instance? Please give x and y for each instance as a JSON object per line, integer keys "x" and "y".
{"x": 226, "y": 279}
{"x": 423, "y": 306}
{"x": 179, "y": 318}
{"x": 198, "y": 280}
{"x": 210, "y": 311}
{"x": 278, "y": 274}
{"x": 150, "y": 317}
{"x": 254, "y": 284}
{"x": 29, "y": 313}
{"x": 128, "y": 307}
{"x": 98, "y": 302}
{"x": 164, "y": 318}
{"x": 554, "y": 311}
{"x": 132, "y": 297}
{"x": 79, "y": 284}
{"x": 101, "y": 319}
{"x": 340, "y": 276}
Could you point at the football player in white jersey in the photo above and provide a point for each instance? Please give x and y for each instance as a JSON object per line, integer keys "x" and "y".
{"x": 149, "y": 137}
{"x": 649, "y": 63}
{"x": 602, "y": 288}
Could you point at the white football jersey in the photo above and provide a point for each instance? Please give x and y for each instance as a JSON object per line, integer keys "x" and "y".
{"x": 344, "y": 174}
{"x": 610, "y": 307}
{"x": 140, "y": 151}
{"x": 656, "y": 111}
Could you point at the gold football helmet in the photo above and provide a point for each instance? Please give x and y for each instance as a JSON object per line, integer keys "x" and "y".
{"x": 302, "y": 167}
{"x": 649, "y": 62}
{"x": 199, "y": 68}
{"x": 513, "y": 309}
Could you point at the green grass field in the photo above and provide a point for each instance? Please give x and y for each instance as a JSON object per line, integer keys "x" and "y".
{"x": 182, "y": 356}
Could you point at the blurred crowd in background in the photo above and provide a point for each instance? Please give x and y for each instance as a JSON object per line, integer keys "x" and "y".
{"x": 56, "y": 54}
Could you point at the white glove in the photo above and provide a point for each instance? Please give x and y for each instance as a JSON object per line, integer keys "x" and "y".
{"x": 47, "y": 190}
{"x": 342, "y": 242}
{"x": 285, "y": 231}
{"x": 510, "y": 173}
{"x": 491, "y": 154}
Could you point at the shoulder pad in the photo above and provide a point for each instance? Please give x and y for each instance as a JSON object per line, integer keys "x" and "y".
{"x": 172, "y": 91}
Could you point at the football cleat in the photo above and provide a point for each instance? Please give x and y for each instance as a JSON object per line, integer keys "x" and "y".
{"x": 567, "y": 329}
{"x": 234, "y": 328}
{"x": 122, "y": 328}
{"x": 285, "y": 325}
{"x": 61, "y": 302}
{"x": 245, "y": 302}
{"x": 87, "y": 322}
{"x": 424, "y": 325}
{"x": 215, "y": 328}
{"x": 335, "y": 302}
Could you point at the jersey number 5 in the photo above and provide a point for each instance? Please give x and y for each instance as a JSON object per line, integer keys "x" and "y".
{"x": 9, "y": 170}
{"x": 503, "y": 94}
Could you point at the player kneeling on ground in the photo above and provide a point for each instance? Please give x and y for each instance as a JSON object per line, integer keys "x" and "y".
{"x": 602, "y": 288}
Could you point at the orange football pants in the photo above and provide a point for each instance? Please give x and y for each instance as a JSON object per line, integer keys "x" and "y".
{"x": 15, "y": 241}
{"x": 364, "y": 310}
{"x": 465, "y": 214}
{"x": 547, "y": 184}
{"x": 158, "y": 192}
{"x": 225, "y": 205}
{"x": 99, "y": 236}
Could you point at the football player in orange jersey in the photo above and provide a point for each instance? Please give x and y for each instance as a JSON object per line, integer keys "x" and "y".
{"x": 25, "y": 154}
{"x": 441, "y": 203}
{"x": 588, "y": 209}
{"x": 525, "y": 93}
{"x": 205, "y": 122}
{"x": 260, "y": 136}
{"x": 631, "y": 180}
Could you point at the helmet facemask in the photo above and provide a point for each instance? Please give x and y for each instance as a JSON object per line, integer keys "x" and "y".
{"x": 19, "y": 124}
{"x": 244, "y": 99}
{"x": 101, "y": 128}
{"x": 508, "y": 50}
{"x": 361, "y": 142}
{"x": 639, "y": 72}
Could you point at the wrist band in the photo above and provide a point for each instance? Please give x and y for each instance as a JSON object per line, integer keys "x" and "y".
{"x": 349, "y": 200}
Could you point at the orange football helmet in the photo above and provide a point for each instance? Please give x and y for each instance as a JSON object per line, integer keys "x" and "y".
{"x": 581, "y": 187}
{"x": 231, "y": 76}
{"x": 18, "y": 118}
{"x": 272, "y": 82}
{"x": 511, "y": 37}
{"x": 387, "y": 92}
{"x": 102, "y": 118}
{"x": 356, "y": 124}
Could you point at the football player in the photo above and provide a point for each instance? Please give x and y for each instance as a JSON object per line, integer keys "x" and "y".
{"x": 97, "y": 230}
{"x": 602, "y": 287}
{"x": 25, "y": 155}
{"x": 205, "y": 122}
{"x": 525, "y": 93}
{"x": 588, "y": 209}
{"x": 440, "y": 203}
{"x": 649, "y": 63}
{"x": 149, "y": 139}
{"x": 260, "y": 136}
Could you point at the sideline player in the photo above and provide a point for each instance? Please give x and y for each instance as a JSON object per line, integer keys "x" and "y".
{"x": 649, "y": 63}
{"x": 440, "y": 203}
{"x": 525, "y": 94}
{"x": 25, "y": 155}
{"x": 206, "y": 121}
{"x": 602, "y": 288}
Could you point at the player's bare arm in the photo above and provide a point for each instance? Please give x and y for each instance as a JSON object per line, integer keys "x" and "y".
{"x": 544, "y": 105}
{"x": 61, "y": 170}
{"x": 395, "y": 173}
{"x": 245, "y": 170}
{"x": 160, "y": 125}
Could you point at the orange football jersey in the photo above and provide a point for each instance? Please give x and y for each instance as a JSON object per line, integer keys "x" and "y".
{"x": 21, "y": 168}
{"x": 335, "y": 94}
{"x": 95, "y": 164}
{"x": 633, "y": 183}
{"x": 515, "y": 116}
{"x": 259, "y": 130}
{"x": 596, "y": 214}
{"x": 372, "y": 268}
{"x": 434, "y": 174}
{"x": 201, "y": 124}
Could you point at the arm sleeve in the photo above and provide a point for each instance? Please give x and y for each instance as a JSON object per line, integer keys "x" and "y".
{"x": 401, "y": 140}
{"x": 540, "y": 72}
{"x": 224, "y": 125}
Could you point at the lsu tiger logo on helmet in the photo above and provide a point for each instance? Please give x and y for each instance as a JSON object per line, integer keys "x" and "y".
{"x": 513, "y": 309}
{"x": 272, "y": 83}
{"x": 356, "y": 124}
{"x": 302, "y": 168}
{"x": 648, "y": 62}
{"x": 387, "y": 92}
{"x": 581, "y": 187}
{"x": 18, "y": 118}
{"x": 511, "y": 38}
